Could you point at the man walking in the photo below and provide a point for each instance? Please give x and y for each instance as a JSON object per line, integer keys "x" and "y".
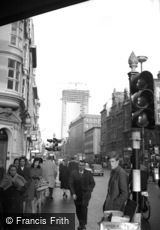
{"x": 81, "y": 186}
{"x": 117, "y": 186}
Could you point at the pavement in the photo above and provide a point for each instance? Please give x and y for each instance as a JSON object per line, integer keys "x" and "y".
{"x": 59, "y": 205}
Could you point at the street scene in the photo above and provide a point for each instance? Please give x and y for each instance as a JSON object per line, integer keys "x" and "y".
{"x": 95, "y": 207}
{"x": 80, "y": 115}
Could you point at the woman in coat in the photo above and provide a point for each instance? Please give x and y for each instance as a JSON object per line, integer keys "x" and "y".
{"x": 13, "y": 187}
{"x": 49, "y": 173}
{"x": 64, "y": 177}
{"x": 36, "y": 175}
{"x": 117, "y": 186}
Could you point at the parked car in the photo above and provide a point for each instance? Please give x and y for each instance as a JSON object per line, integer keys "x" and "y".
{"x": 97, "y": 170}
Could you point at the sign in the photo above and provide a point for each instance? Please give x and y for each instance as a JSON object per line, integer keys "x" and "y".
{"x": 157, "y": 100}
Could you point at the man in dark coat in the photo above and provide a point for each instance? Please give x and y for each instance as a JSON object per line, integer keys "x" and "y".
{"x": 117, "y": 186}
{"x": 72, "y": 165}
{"x": 81, "y": 185}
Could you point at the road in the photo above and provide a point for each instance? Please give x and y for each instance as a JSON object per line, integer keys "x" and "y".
{"x": 58, "y": 205}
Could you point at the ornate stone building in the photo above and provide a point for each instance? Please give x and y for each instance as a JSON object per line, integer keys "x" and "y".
{"x": 116, "y": 129}
{"x": 19, "y": 102}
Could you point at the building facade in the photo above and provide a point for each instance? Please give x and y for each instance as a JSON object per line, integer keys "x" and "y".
{"x": 74, "y": 103}
{"x": 103, "y": 140}
{"x": 76, "y": 140}
{"x": 116, "y": 129}
{"x": 92, "y": 143}
{"x": 19, "y": 102}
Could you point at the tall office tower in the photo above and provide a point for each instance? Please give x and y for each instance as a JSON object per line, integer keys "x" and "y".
{"x": 74, "y": 103}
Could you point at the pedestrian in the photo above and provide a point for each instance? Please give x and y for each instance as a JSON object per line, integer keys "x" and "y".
{"x": 72, "y": 165}
{"x": 81, "y": 185}
{"x": 117, "y": 194}
{"x": 36, "y": 175}
{"x": 13, "y": 186}
{"x": 23, "y": 168}
{"x": 49, "y": 173}
{"x": 40, "y": 162}
{"x": 24, "y": 171}
{"x": 16, "y": 162}
{"x": 87, "y": 167}
{"x": 64, "y": 177}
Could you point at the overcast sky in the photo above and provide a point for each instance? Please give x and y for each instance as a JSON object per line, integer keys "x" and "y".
{"x": 90, "y": 43}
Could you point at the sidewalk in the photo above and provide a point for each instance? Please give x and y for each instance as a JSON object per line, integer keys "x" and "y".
{"x": 58, "y": 205}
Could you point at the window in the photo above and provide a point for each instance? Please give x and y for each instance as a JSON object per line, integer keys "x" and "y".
{"x": 17, "y": 34}
{"x": 14, "y": 71}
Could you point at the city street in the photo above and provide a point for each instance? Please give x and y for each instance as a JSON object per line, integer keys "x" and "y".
{"x": 58, "y": 205}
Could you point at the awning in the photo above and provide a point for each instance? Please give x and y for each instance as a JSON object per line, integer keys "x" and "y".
{"x": 14, "y": 10}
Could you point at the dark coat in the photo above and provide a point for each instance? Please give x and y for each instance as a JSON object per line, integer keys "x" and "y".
{"x": 12, "y": 190}
{"x": 25, "y": 173}
{"x": 12, "y": 200}
{"x": 72, "y": 165}
{"x": 82, "y": 186}
{"x": 64, "y": 176}
{"x": 117, "y": 190}
{"x": 27, "y": 176}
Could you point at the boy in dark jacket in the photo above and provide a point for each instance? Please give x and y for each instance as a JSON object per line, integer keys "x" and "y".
{"x": 117, "y": 186}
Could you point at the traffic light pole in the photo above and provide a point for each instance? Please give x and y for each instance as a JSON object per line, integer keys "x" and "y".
{"x": 136, "y": 175}
{"x": 143, "y": 143}
{"x": 136, "y": 147}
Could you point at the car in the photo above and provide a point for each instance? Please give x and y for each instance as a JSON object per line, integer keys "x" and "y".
{"x": 97, "y": 170}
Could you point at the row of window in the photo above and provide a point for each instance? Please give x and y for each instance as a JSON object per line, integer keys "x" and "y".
{"x": 14, "y": 76}
{"x": 17, "y": 34}
{"x": 14, "y": 67}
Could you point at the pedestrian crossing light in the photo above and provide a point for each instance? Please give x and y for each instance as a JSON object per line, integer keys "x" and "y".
{"x": 142, "y": 100}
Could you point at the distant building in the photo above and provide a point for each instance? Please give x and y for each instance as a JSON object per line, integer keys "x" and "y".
{"x": 103, "y": 143}
{"x": 74, "y": 103}
{"x": 92, "y": 143}
{"x": 78, "y": 127}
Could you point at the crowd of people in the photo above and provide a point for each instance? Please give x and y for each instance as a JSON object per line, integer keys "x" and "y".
{"x": 18, "y": 186}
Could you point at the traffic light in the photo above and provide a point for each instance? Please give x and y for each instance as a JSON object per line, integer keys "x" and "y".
{"x": 53, "y": 144}
{"x": 142, "y": 100}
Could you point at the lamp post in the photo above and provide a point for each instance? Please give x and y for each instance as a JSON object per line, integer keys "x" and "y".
{"x": 142, "y": 59}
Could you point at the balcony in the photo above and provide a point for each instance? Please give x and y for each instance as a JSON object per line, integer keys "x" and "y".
{"x": 9, "y": 100}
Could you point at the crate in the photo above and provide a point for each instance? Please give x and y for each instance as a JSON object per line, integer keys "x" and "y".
{"x": 119, "y": 226}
